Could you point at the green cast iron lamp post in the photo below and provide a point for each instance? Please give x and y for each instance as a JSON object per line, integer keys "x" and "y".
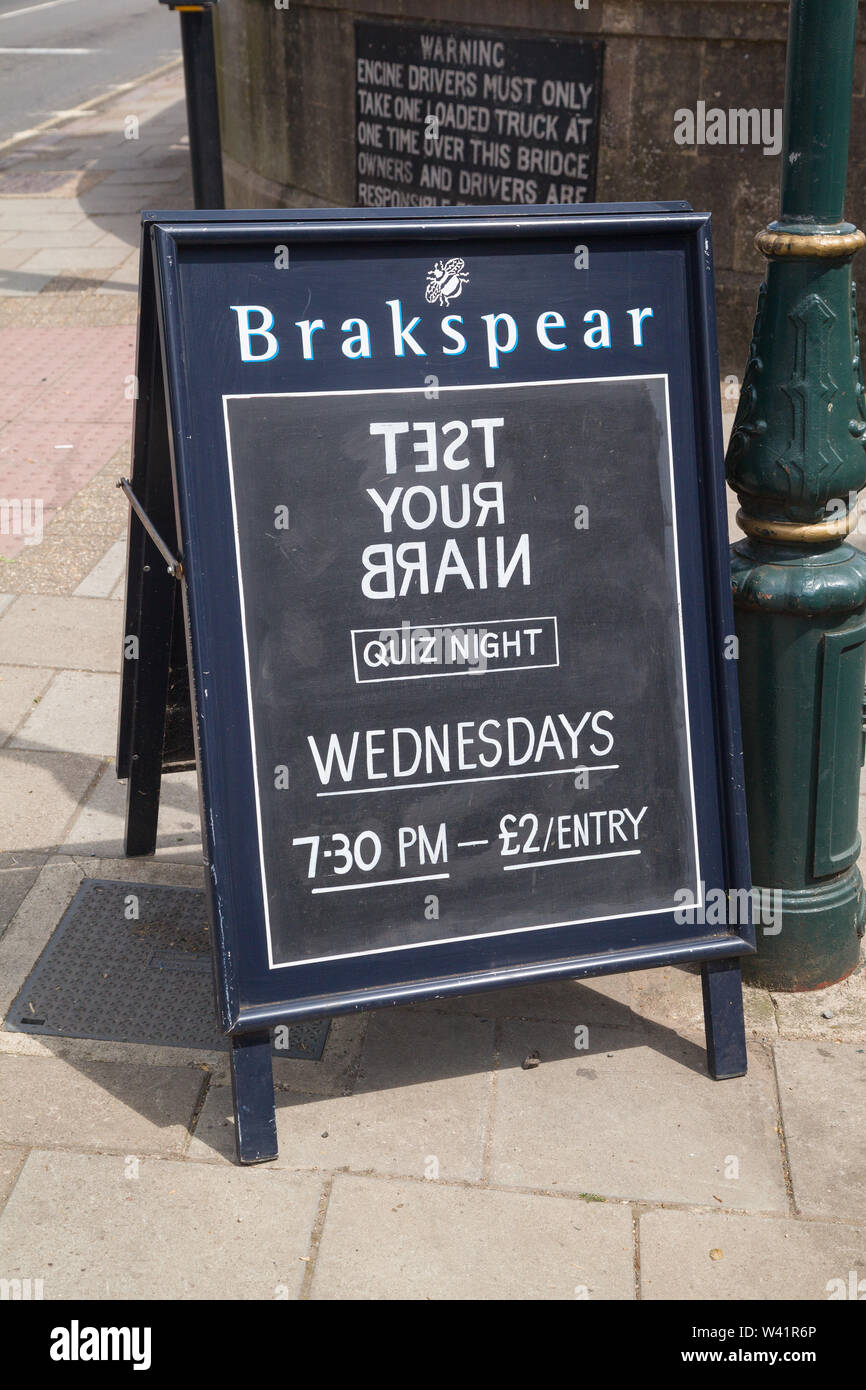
{"x": 797, "y": 461}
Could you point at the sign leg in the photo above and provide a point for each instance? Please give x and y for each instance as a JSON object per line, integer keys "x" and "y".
{"x": 723, "y": 1018}
{"x": 148, "y": 720}
{"x": 253, "y": 1095}
{"x": 153, "y": 605}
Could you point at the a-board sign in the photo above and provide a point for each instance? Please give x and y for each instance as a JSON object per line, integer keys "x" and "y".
{"x": 468, "y": 116}
{"x": 447, "y": 492}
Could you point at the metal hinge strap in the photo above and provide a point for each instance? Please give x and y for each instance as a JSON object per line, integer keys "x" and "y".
{"x": 175, "y": 566}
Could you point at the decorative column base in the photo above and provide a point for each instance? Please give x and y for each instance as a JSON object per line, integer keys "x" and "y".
{"x": 814, "y": 937}
{"x": 801, "y": 627}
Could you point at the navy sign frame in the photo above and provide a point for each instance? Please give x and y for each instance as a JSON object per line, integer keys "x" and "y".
{"x": 558, "y": 376}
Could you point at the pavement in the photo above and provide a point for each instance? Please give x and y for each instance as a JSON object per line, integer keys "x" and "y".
{"x": 420, "y": 1158}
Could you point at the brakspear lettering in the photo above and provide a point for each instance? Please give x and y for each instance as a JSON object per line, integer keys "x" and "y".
{"x": 408, "y": 335}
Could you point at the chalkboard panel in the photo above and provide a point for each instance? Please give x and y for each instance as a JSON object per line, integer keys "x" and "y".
{"x": 449, "y": 116}
{"x": 449, "y": 495}
{"x": 548, "y": 787}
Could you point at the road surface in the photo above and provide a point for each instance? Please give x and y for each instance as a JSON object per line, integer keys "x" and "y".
{"x": 56, "y": 54}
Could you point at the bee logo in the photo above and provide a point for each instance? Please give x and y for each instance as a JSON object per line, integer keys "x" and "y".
{"x": 445, "y": 281}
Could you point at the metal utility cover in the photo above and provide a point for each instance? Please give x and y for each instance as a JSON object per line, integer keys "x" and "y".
{"x": 119, "y": 977}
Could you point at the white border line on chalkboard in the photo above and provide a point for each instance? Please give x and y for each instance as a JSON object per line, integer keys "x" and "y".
{"x": 464, "y": 781}
{"x": 685, "y": 687}
{"x": 414, "y": 391}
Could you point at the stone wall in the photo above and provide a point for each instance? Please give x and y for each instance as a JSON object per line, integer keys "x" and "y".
{"x": 288, "y": 108}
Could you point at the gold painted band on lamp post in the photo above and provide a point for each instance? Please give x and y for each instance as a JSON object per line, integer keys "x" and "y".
{"x": 821, "y": 245}
{"x": 830, "y": 529}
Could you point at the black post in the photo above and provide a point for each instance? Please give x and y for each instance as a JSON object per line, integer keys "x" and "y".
{"x": 724, "y": 1025}
{"x": 153, "y": 603}
{"x": 202, "y": 104}
{"x": 253, "y": 1095}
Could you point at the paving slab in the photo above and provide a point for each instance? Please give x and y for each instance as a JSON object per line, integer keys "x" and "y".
{"x": 117, "y": 243}
{"x": 123, "y": 280}
{"x": 145, "y": 870}
{"x": 97, "y": 1227}
{"x": 39, "y": 794}
{"x": 125, "y": 226}
{"x": 135, "y": 175}
{"x": 672, "y": 996}
{"x": 96, "y": 1105}
{"x": 136, "y": 197}
{"x": 11, "y": 1160}
{"x": 11, "y": 257}
{"x": 47, "y": 207}
{"x": 391, "y": 1240}
{"x": 335, "y": 1072}
{"x": 106, "y": 574}
{"x": 59, "y": 258}
{"x": 99, "y": 826}
{"x": 77, "y": 714}
{"x": 21, "y": 218}
{"x": 633, "y": 1116}
{"x": 5, "y": 600}
{"x": 836, "y": 1012}
{"x": 36, "y": 915}
{"x": 420, "y": 1103}
{"x": 761, "y": 1257}
{"x": 81, "y": 634}
{"x": 42, "y": 238}
{"x": 20, "y": 282}
{"x": 823, "y": 1093}
{"x": 19, "y": 870}
{"x": 20, "y": 689}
